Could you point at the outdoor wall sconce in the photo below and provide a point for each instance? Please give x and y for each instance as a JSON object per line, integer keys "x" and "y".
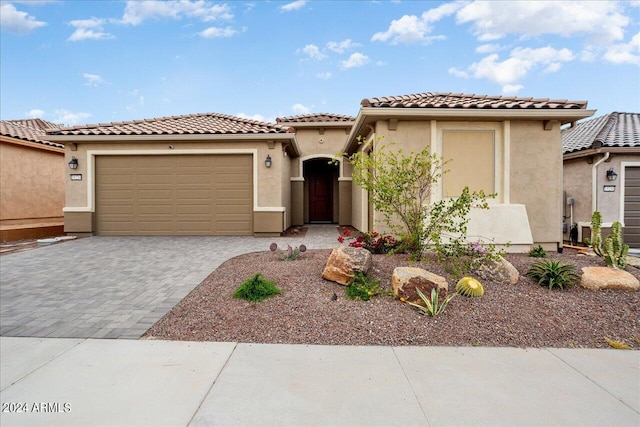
{"x": 612, "y": 175}
{"x": 73, "y": 163}
{"x": 267, "y": 161}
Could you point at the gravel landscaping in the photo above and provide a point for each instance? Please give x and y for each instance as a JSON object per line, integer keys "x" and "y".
{"x": 521, "y": 315}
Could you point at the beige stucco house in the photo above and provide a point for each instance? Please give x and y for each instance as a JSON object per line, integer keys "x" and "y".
{"x": 32, "y": 181}
{"x": 216, "y": 174}
{"x": 602, "y": 172}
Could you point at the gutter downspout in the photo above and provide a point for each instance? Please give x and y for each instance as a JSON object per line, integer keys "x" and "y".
{"x": 594, "y": 183}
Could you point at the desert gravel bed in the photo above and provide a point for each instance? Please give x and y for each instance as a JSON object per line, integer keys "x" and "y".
{"x": 521, "y": 315}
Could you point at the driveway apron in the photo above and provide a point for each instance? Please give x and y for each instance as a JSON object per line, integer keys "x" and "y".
{"x": 116, "y": 287}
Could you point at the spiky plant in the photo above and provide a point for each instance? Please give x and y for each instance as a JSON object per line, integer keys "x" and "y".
{"x": 614, "y": 249}
{"x": 469, "y": 287}
{"x": 553, "y": 273}
{"x": 257, "y": 288}
{"x": 617, "y": 344}
{"x": 432, "y": 306}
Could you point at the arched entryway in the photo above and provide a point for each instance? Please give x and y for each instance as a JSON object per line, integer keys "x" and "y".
{"x": 321, "y": 191}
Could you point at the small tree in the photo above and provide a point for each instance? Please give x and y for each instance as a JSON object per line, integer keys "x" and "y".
{"x": 400, "y": 186}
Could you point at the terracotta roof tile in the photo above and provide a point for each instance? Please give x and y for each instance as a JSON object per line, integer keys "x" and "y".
{"x": 192, "y": 124}
{"x": 317, "y": 117}
{"x": 460, "y": 100}
{"x": 611, "y": 130}
{"x": 32, "y": 130}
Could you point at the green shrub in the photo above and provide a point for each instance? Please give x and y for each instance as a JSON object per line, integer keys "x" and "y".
{"x": 553, "y": 273}
{"x": 363, "y": 287}
{"x": 432, "y": 306}
{"x": 257, "y": 288}
{"x": 460, "y": 258}
{"x": 538, "y": 252}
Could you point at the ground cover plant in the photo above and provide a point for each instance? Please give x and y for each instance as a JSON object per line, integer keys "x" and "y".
{"x": 521, "y": 315}
{"x": 257, "y": 288}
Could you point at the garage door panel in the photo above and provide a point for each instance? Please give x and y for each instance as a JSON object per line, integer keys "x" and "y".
{"x": 631, "y": 231}
{"x": 174, "y": 194}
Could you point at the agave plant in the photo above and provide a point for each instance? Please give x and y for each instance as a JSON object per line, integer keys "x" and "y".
{"x": 553, "y": 273}
{"x": 432, "y": 306}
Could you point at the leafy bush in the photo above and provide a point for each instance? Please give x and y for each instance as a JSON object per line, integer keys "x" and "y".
{"x": 432, "y": 306}
{"x": 553, "y": 273}
{"x": 363, "y": 287}
{"x": 538, "y": 252}
{"x": 257, "y": 288}
{"x": 372, "y": 241}
{"x": 460, "y": 258}
{"x": 288, "y": 254}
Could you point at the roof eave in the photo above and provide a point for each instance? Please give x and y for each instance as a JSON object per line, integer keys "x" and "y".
{"x": 173, "y": 137}
{"x": 594, "y": 151}
{"x": 371, "y": 114}
{"x": 296, "y": 125}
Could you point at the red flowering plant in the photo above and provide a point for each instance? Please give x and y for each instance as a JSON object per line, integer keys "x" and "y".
{"x": 372, "y": 241}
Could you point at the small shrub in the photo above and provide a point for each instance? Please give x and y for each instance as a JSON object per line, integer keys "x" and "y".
{"x": 432, "y": 306}
{"x": 257, "y": 288}
{"x": 363, "y": 287}
{"x": 372, "y": 241}
{"x": 538, "y": 252}
{"x": 469, "y": 287}
{"x": 288, "y": 254}
{"x": 553, "y": 273}
{"x": 459, "y": 258}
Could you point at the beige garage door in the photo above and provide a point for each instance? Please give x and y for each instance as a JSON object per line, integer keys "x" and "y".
{"x": 632, "y": 207}
{"x": 174, "y": 195}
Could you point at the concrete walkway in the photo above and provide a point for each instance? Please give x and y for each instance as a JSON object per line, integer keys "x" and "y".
{"x": 75, "y": 382}
{"x": 116, "y": 287}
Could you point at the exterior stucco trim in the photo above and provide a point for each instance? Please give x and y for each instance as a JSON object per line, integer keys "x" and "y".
{"x": 303, "y": 159}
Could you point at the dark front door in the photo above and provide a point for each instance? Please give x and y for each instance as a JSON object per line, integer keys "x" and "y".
{"x": 320, "y": 197}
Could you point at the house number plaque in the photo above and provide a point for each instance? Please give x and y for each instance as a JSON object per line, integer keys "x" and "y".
{"x": 609, "y": 188}
{"x": 76, "y": 177}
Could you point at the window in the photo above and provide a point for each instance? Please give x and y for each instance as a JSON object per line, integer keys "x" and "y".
{"x": 471, "y": 156}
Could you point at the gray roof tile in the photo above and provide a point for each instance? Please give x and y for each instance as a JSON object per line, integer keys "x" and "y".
{"x": 317, "y": 117}
{"x": 611, "y": 130}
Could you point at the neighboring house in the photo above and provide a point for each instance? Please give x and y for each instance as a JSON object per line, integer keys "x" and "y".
{"x": 216, "y": 174}
{"x": 602, "y": 172}
{"x": 32, "y": 181}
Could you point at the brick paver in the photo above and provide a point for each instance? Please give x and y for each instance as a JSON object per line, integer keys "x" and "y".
{"x": 116, "y": 287}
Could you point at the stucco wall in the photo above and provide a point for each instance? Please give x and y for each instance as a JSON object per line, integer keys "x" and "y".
{"x": 536, "y": 177}
{"x": 577, "y": 185}
{"x": 31, "y": 185}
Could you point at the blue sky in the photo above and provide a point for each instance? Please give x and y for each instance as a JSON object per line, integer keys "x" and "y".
{"x": 80, "y": 62}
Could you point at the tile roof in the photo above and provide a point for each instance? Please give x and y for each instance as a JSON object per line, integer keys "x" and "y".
{"x": 460, "y": 100}
{"x": 192, "y": 124}
{"x": 611, "y": 130}
{"x": 317, "y": 117}
{"x": 32, "y": 130}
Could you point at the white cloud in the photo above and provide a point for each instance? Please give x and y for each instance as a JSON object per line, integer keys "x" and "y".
{"x": 312, "y": 52}
{"x": 257, "y": 117}
{"x": 294, "y": 5}
{"x": 625, "y": 53}
{"x": 92, "y": 79}
{"x": 138, "y": 11}
{"x": 488, "y": 48}
{"x": 600, "y": 20}
{"x": 69, "y": 118}
{"x": 15, "y": 21}
{"x": 300, "y": 109}
{"x": 521, "y": 61}
{"x": 324, "y": 76}
{"x": 356, "y": 60}
{"x": 215, "y": 32}
{"x": 511, "y": 89}
{"x": 88, "y": 29}
{"x": 413, "y": 29}
{"x": 35, "y": 114}
{"x": 343, "y": 46}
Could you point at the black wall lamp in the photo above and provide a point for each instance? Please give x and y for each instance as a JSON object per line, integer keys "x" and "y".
{"x": 612, "y": 175}
{"x": 267, "y": 161}
{"x": 73, "y": 163}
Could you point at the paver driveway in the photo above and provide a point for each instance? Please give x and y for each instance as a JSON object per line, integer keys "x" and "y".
{"x": 115, "y": 287}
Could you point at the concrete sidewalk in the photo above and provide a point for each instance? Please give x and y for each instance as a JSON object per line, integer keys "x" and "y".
{"x": 87, "y": 382}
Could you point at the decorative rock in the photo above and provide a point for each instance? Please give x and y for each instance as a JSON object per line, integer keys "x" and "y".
{"x": 405, "y": 281}
{"x": 344, "y": 261}
{"x": 596, "y": 278}
{"x": 502, "y": 270}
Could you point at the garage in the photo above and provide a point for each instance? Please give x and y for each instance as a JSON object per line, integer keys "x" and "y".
{"x": 632, "y": 207}
{"x": 174, "y": 194}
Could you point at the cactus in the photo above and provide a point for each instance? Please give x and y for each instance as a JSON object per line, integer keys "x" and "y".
{"x": 469, "y": 287}
{"x": 596, "y": 233}
{"x": 614, "y": 249}
{"x": 288, "y": 254}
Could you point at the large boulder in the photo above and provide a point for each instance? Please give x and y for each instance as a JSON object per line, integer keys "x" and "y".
{"x": 501, "y": 270}
{"x": 596, "y": 278}
{"x": 344, "y": 261}
{"x": 406, "y": 280}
